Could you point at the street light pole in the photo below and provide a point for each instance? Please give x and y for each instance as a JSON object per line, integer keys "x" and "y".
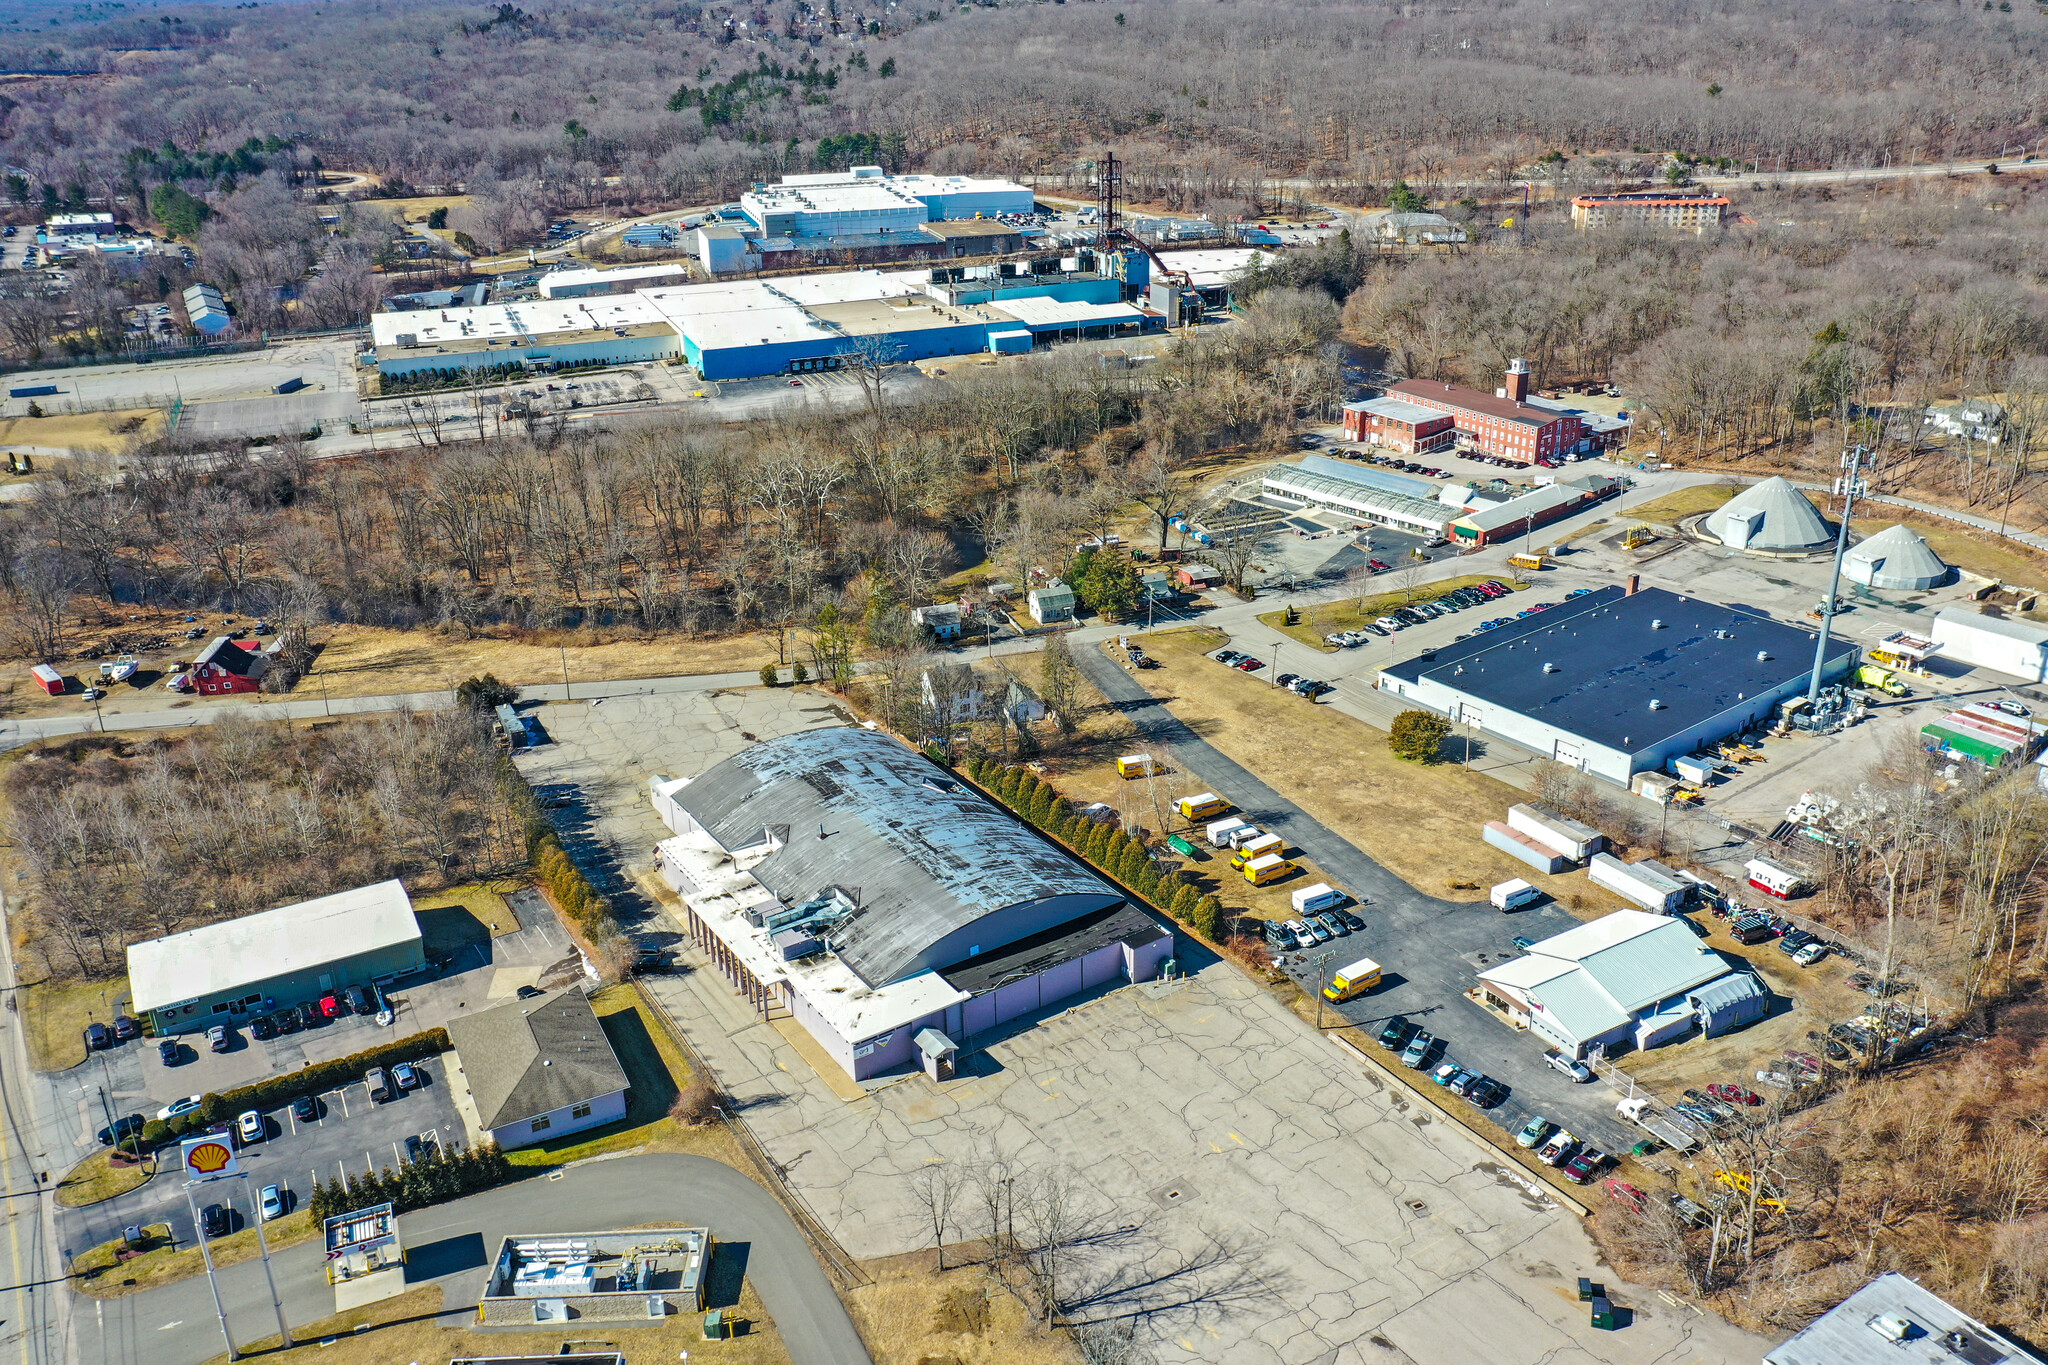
{"x": 206, "y": 1255}
{"x": 284, "y": 1330}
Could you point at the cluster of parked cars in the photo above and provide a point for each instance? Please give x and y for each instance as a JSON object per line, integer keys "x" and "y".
{"x": 1407, "y": 466}
{"x": 1311, "y": 929}
{"x": 1243, "y": 663}
{"x": 1458, "y": 599}
{"x": 1419, "y": 1048}
{"x": 1554, "y": 1146}
{"x": 98, "y": 1036}
{"x": 1311, "y": 688}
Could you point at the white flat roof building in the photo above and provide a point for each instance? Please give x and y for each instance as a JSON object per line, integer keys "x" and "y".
{"x": 571, "y": 284}
{"x": 287, "y": 954}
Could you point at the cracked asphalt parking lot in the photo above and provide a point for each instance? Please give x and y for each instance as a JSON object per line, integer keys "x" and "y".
{"x": 1271, "y": 1200}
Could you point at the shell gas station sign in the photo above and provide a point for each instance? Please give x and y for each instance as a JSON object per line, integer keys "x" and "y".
{"x": 206, "y": 1157}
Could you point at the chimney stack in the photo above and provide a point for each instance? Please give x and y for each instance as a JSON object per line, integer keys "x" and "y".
{"x": 1517, "y": 388}
{"x": 1635, "y": 581}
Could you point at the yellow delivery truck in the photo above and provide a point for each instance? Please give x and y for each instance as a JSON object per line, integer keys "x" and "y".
{"x": 1193, "y": 808}
{"x": 1270, "y": 868}
{"x": 1353, "y": 981}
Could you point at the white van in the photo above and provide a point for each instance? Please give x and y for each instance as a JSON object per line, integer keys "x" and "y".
{"x": 1238, "y": 838}
{"x": 1514, "y": 895}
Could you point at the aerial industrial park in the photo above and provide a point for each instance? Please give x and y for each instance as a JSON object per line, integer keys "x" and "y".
{"x": 1023, "y": 685}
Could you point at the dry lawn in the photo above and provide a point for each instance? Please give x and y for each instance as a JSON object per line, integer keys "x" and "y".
{"x": 1421, "y": 823}
{"x": 1674, "y": 507}
{"x": 478, "y": 908}
{"x": 100, "y": 1274}
{"x": 404, "y": 1329}
{"x": 100, "y": 432}
{"x": 56, "y": 1013}
{"x": 96, "y": 1179}
{"x": 913, "y": 1315}
{"x": 1353, "y": 613}
{"x": 414, "y": 210}
{"x": 367, "y": 661}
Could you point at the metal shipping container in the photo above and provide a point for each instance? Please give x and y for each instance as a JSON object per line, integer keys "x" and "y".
{"x": 1649, "y": 885}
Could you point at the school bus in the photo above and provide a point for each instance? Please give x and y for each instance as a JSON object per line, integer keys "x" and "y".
{"x": 1353, "y": 981}
{"x": 1270, "y": 868}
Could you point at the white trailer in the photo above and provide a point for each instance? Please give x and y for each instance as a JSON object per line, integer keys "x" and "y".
{"x": 1553, "y": 829}
{"x": 1513, "y": 895}
{"x": 1219, "y": 831}
{"x": 1648, "y": 884}
{"x": 2014, "y": 648}
{"x": 1774, "y": 879}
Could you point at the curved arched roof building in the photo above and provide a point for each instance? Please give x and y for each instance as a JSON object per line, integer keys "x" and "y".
{"x": 880, "y": 896}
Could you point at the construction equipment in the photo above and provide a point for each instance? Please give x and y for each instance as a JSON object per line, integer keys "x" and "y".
{"x": 1637, "y": 537}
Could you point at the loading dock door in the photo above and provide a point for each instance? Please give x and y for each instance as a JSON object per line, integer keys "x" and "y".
{"x": 1568, "y": 752}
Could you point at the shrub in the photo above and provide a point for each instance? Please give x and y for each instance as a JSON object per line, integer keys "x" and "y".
{"x": 1207, "y": 917}
{"x": 1418, "y": 735}
{"x": 485, "y": 693}
{"x": 798, "y": 673}
{"x": 768, "y": 675}
{"x": 697, "y": 1105}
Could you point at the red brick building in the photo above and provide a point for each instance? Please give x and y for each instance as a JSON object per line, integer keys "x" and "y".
{"x": 229, "y": 665}
{"x": 1397, "y": 425}
{"x": 1501, "y": 423}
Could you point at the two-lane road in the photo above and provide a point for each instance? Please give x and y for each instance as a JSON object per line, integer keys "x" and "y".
{"x": 175, "y": 1325}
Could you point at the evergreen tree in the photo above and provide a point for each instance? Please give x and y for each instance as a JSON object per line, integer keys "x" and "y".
{"x": 1207, "y": 918}
{"x": 1005, "y": 786}
{"x": 1185, "y": 899}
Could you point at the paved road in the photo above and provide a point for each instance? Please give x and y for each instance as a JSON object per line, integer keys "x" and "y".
{"x": 174, "y": 1325}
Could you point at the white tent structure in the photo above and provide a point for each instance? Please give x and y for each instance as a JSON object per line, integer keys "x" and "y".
{"x": 1771, "y": 518}
{"x": 1894, "y": 558}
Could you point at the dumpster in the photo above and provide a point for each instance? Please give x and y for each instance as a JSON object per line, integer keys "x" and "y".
{"x": 1603, "y": 1314}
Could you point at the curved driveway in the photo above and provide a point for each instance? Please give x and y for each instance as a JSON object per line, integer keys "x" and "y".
{"x": 175, "y": 1326}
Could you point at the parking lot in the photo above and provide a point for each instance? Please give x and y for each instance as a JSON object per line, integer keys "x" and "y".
{"x": 352, "y": 1134}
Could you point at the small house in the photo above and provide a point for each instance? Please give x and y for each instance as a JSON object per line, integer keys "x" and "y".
{"x": 1021, "y": 704}
{"x": 951, "y": 692}
{"x": 1157, "y": 586}
{"x": 537, "y": 1069}
{"x": 1053, "y": 602}
{"x": 229, "y": 665}
{"x": 1979, "y": 419}
{"x": 1197, "y": 576}
{"x": 941, "y": 620}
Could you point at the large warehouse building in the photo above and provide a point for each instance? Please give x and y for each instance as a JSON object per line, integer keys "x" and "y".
{"x": 746, "y": 329}
{"x": 1614, "y": 683}
{"x": 221, "y": 973}
{"x": 885, "y": 905}
{"x": 1503, "y": 423}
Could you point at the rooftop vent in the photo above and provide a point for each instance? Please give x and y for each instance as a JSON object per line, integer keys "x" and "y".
{"x": 1656, "y": 705}
{"x": 1657, "y": 623}
{"x": 1550, "y": 668}
{"x": 1763, "y": 656}
{"x": 1893, "y": 1326}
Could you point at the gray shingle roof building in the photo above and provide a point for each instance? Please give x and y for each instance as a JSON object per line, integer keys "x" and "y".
{"x": 1893, "y": 1320}
{"x": 529, "y": 1058}
{"x": 1895, "y": 558}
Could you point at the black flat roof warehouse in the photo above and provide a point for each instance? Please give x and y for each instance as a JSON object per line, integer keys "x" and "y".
{"x": 1591, "y": 666}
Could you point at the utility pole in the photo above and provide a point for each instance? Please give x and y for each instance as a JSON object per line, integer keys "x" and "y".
{"x": 565, "y": 673}
{"x": 1855, "y": 460}
{"x": 1321, "y": 962}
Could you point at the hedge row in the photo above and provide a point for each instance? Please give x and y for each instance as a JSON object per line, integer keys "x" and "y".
{"x": 268, "y": 1094}
{"x": 449, "y": 1174}
{"x": 1104, "y": 846}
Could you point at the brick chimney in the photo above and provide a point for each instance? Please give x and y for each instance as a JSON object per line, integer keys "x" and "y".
{"x": 1517, "y": 388}
{"x": 1635, "y": 582}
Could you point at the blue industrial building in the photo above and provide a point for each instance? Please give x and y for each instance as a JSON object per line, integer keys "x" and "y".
{"x": 1614, "y": 683}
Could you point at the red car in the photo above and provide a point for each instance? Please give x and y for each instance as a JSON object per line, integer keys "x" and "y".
{"x": 1378, "y": 566}
{"x": 330, "y": 1006}
{"x": 1250, "y": 665}
{"x": 1734, "y": 1094}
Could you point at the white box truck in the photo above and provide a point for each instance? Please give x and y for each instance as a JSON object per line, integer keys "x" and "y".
{"x": 1321, "y": 896}
{"x": 1514, "y": 895}
{"x": 1219, "y": 831}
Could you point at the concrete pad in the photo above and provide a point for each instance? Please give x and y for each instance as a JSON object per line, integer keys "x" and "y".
{"x": 506, "y": 981}
{"x": 368, "y": 1289}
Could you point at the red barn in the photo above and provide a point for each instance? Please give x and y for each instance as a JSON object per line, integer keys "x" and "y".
{"x": 1503, "y": 423}
{"x": 229, "y": 665}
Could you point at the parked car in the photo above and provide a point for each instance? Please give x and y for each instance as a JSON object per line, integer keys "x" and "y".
{"x": 213, "y": 1221}
{"x": 405, "y": 1077}
{"x": 125, "y": 1126}
{"x": 1581, "y": 1169}
{"x": 272, "y": 1202}
{"x": 287, "y": 1021}
{"x": 1623, "y": 1192}
{"x": 261, "y": 1028}
{"x": 1334, "y": 922}
{"x": 1569, "y": 1066}
{"x": 125, "y": 1027}
{"x": 530, "y": 992}
{"x": 1351, "y": 921}
{"x": 306, "y": 1109}
{"x": 1416, "y": 1055}
{"x": 1486, "y": 1092}
{"x": 1396, "y": 1033}
{"x": 179, "y": 1107}
{"x": 1288, "y": 679}
{"x": 1558, "y": 1149}
{"x": 218, "y": 1039}
{"x": 1449, "y": 1074}
{"x": 249, "y": 1126}
{"x": 98, "y": 1036}
{"x": 1735, "y": 1094}
{"x": 168, "y": 1052}
{"x": 1303, "y": 938}
{"x": 312, "y": 1015}
{"x": 1249, "y": 665}
{"x": 360, "y": 1000}
{"x": 1533, "y": 1132}
{"x": 1794, "y": 941}
{"x": 1810, "y": 954}
{"x": 1523, "y": 942}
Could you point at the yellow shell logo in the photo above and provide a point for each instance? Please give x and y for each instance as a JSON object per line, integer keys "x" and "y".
{"x": 209, "y": 1158}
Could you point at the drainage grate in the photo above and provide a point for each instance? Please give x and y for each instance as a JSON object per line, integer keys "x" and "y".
{"x": 1419, "y": 1208}
{"x": 1168, "y": 1196}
